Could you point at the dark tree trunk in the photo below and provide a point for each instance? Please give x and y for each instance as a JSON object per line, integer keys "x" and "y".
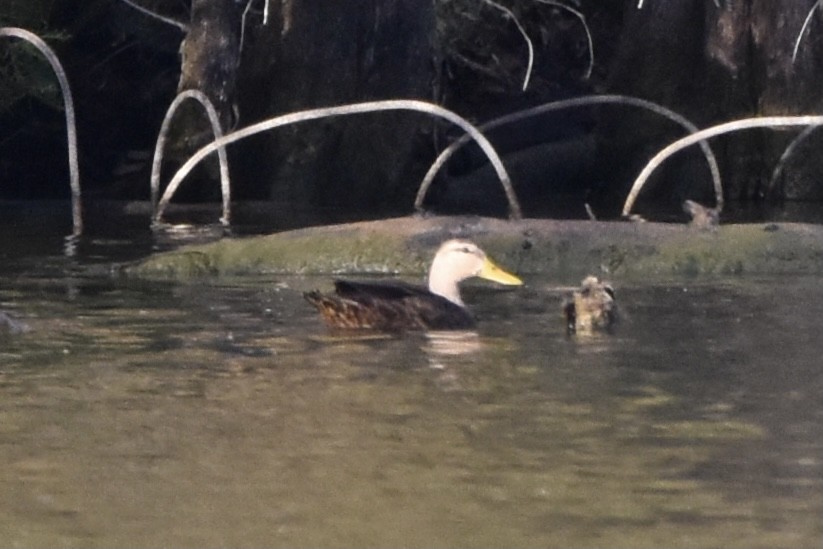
{"x": 315, "y": 54}
{"x": 211, "y": 54}
{"x": 210, "y": 61}
{"x": 712, "y": 64}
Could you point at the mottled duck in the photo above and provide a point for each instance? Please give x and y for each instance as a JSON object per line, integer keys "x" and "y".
{"x": 591, "y": 307}
{"x": 396, "y": 305}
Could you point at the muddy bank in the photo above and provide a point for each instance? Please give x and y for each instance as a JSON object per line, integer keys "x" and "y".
{"x": 561, "y": 249}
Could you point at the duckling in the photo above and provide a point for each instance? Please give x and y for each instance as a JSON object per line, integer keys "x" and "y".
{"x": 591, "y": 307}
{"x": 703, "y": 218}
{"x": 397, "y": 305}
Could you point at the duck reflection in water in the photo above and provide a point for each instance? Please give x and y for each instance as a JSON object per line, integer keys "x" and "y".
{"x": 443, "y": 347}
{"x": 448, "y": 352}
{"x": 396, "y": 305}
{"x": 591, "y": 307}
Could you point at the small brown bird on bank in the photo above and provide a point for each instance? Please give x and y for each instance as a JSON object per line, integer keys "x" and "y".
{"x": 591, "y": 307}
{"x": 702, "y": 217}
{"x": 396, "y": 305}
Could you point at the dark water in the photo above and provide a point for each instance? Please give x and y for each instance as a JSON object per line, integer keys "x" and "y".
{"x": 223, "y": 413}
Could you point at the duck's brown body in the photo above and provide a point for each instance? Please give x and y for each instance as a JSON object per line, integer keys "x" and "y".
{"x": 402, "y": 306}
{"x": 388, "y": 306}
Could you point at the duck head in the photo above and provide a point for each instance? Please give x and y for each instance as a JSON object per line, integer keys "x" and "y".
{"x": 457, "y": 260}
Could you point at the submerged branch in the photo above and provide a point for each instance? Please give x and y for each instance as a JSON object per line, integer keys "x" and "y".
{"x": 225, "y": 184}
{"x": 71, "y": 127}
{"x": 735, "y": 125}
{"x": 357, "y": 108}
{"x": 447, "y": 153}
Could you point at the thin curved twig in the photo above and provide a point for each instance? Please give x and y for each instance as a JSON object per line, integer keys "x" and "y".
{"x": 582, "y": 19}
{"x": 447, "y": 153}
{"x": 787, "y": 152}
{"x": 520, "y": 28}
{"x": 356, "y": 108}
{"x": 71, "y": 127}
{"x": 168, "y": 20}
{"x": 747, "y": 123}
{"x": 243, "y": 23}
{"x": 640, "y": 4}
{"x": 225, "y": 183}
{"x": 803, "y": 29}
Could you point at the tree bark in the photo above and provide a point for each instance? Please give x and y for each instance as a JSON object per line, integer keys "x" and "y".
{"x": 315, "y": 54}
{"x": 713, "y": 64}
{"x": 211, "y": 54}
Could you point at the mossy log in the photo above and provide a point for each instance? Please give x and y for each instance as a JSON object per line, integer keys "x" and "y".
{"x": 564, "y": 250}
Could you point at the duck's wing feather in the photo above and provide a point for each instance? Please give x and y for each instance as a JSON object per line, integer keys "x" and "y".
{"x": 389, "y": 290}
{"x": 388, "y": 306}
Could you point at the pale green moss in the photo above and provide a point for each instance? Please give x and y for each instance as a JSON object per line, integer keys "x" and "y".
{"x": 560, "y": 249}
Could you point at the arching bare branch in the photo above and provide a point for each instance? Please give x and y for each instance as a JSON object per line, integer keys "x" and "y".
{"x": 356, "y": 108}
{"x": 447, "y": 153}
{"x": 71, "y": 126}
{"x": 735, "y": 125}
{"x": 158, "y": 207}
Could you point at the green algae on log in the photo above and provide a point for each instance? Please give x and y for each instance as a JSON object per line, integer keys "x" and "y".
{"x": 563, "y": 249}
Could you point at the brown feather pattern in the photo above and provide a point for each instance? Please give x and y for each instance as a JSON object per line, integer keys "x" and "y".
{"x": 398, "y": 305}
{"x": 388, "y": 306}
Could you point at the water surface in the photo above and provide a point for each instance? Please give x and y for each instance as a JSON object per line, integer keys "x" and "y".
{"x": 223, "y": 413}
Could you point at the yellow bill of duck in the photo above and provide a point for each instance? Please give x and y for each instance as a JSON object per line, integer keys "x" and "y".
{"x": 397, "y": 305}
